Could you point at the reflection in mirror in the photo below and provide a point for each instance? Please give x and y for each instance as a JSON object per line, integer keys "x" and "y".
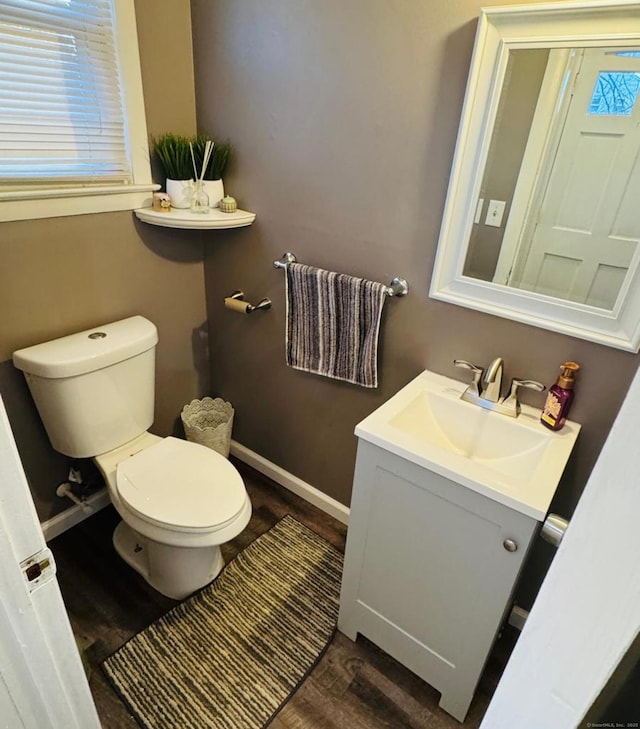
{"x": 541, "y": 224}
{"x": 520, "y": 91}
{"x": 564, "y": 157}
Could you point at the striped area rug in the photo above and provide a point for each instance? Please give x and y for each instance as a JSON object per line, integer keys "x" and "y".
{"x": 230, "y": 656}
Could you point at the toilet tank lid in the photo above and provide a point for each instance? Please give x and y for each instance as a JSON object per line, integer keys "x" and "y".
{"x": 90, "y": 350}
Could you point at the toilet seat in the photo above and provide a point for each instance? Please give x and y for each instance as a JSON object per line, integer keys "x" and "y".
{"x": 181, "y": 486}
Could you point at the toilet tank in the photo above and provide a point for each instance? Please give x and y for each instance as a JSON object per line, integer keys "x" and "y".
{"x": 94, "y": 390}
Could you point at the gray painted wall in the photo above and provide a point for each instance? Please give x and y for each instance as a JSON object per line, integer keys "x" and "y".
{"x": 344, "y": 117}
{"x": 64, "y": 275}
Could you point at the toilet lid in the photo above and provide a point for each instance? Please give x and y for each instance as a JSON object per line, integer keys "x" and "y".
{"x": 181, "y": 484}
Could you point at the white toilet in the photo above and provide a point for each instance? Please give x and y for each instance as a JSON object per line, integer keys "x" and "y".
{"x": 179, "y": 501}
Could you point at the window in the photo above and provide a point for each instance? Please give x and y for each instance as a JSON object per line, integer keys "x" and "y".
{"x": 615, "y": 93}
{"x": 73, "y": 136}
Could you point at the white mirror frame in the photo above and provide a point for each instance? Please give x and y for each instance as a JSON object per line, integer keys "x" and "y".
{"x": 501, "y": 30}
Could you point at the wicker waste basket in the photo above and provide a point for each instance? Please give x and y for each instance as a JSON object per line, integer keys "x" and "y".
{"x": 209, "y": 422}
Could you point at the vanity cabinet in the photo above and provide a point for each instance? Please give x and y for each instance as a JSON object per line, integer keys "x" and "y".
{"x": 430, "y": 568}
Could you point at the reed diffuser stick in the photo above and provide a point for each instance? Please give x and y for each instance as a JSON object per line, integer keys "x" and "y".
{"x": 193, "y": 161}
{"x": 208, "y": 149}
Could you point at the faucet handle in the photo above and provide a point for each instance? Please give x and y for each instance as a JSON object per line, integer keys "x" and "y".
{"x": 512, "y": 399}
{"x": 529, "y": 384}
{"x": 477, "y": 374}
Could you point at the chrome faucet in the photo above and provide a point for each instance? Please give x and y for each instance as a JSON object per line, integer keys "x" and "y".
{"x": 493, "y": 380}
{"x": 486, "y": 387}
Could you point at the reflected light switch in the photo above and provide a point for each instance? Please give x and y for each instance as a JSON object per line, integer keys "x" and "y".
{"x": 495, "y": 211}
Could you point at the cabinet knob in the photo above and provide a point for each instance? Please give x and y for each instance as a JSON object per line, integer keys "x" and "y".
{"x": 510, "y": 545}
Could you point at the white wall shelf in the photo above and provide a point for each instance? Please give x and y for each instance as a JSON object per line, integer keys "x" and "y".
{"x": 187, "y": 220}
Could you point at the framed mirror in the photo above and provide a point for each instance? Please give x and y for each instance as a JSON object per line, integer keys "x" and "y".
{"x": 542, "y": 219}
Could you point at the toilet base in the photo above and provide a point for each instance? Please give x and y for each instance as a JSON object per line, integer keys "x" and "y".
{"x": 175, "y": 572}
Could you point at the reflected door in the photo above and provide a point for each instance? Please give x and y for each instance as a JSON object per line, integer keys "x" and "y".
{"x": 588, "y": 225}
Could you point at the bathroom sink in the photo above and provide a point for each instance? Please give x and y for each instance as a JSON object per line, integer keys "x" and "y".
{"x": 516, "y": 461}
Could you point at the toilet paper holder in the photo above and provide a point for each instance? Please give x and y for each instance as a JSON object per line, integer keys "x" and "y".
{"x": 236, "y": 302}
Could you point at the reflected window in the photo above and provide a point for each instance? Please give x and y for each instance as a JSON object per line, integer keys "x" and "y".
{"x": 615, "y": 93}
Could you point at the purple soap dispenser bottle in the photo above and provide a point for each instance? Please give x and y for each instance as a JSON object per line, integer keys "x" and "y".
{"x": 560, "y": 397}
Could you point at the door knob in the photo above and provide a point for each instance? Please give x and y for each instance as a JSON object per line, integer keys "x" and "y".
{"x": 510, "y": 545}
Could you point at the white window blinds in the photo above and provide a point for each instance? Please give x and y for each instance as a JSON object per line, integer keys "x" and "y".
{"x": 61, "y": 108}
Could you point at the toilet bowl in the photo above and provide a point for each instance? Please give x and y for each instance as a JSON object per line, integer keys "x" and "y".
{"x": 178, "y": 501}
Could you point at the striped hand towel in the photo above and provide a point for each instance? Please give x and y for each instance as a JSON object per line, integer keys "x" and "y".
{"x": 333, "y": 322}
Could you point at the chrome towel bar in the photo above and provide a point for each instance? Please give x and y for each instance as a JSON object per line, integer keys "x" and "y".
{"x": 397, "y": 287}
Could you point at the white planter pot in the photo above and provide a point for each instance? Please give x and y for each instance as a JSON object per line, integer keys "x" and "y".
{"x": 215, "y": 191}
{"x": 180, "y": 193}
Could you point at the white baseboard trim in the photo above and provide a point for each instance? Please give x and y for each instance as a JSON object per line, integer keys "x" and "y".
{"x": 290, "y": 482}
{"x": 74, "y": 515}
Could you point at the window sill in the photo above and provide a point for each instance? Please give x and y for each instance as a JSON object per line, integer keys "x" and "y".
{"x": 33, "y": 204}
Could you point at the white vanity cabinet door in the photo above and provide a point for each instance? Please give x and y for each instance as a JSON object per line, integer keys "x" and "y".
{"x": 428, "y": 571}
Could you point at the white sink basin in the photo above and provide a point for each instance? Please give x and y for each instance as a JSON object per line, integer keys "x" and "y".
{"x": 516, "y": 461}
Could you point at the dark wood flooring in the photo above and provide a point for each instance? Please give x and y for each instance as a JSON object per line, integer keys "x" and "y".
{"x": 354, "y": 686}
